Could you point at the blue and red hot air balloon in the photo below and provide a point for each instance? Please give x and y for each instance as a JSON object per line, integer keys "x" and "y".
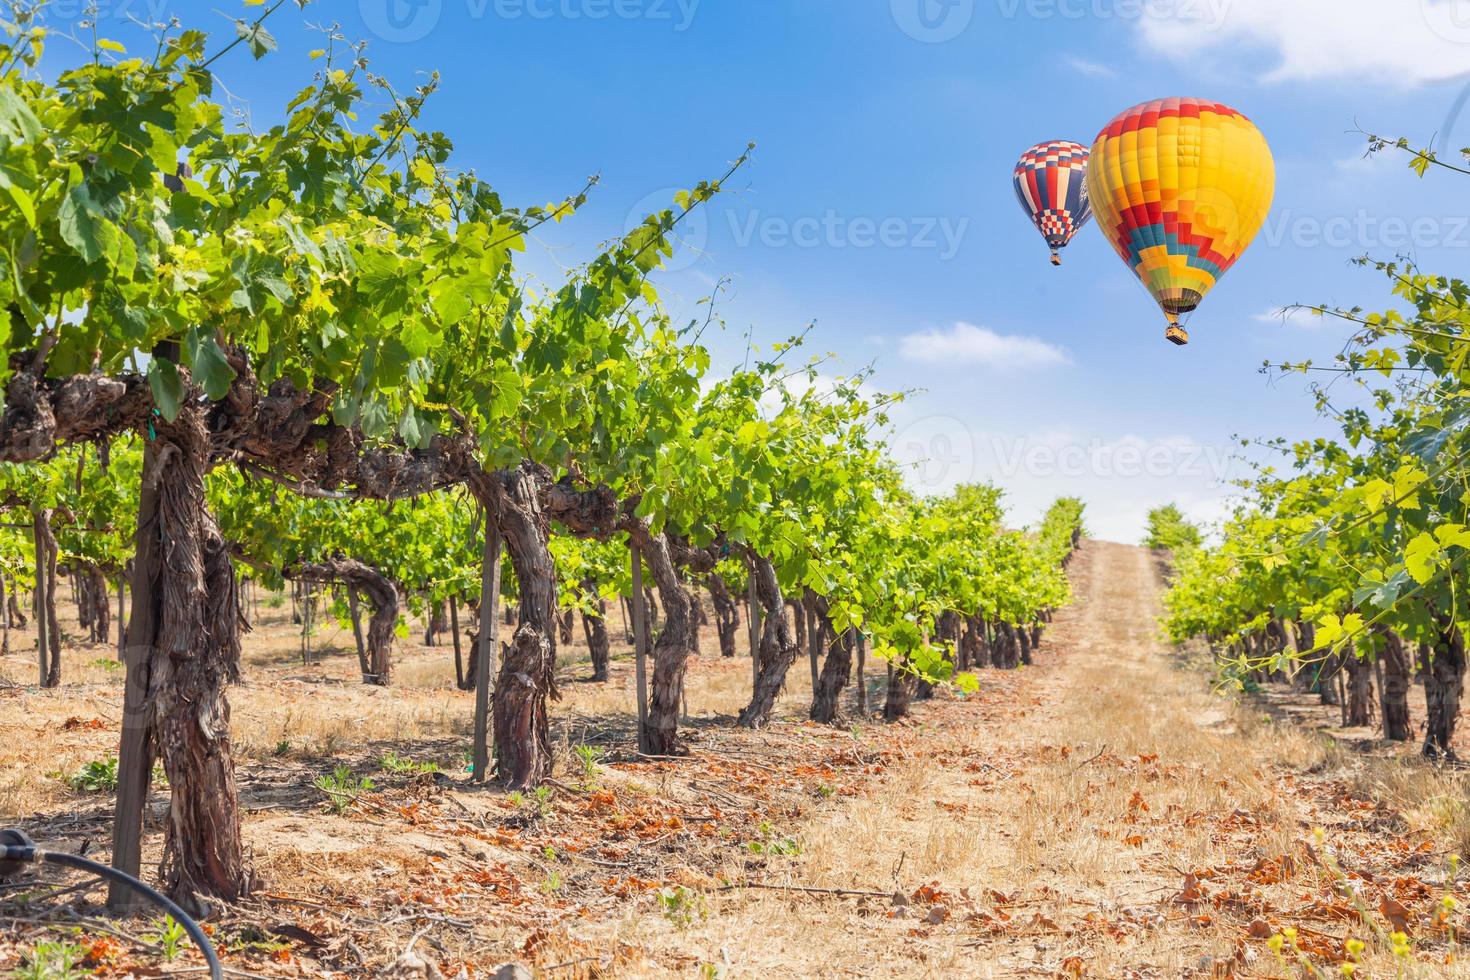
{"x": 1051, "y": 183}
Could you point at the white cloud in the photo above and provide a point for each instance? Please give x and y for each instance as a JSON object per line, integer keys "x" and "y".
{"x": 967, "y": 344}
{"x": 1095, "y": 69}
{"x": 1405, "y": 42}
{"x": 1291, "y": 317}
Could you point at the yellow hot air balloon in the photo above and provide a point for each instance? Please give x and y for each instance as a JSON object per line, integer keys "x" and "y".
{"x": 1180, "y": 187}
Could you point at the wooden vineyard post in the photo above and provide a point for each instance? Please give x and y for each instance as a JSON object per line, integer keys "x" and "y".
{"x": 755, "y": 632}
{"x": 135, "y": 750}
{"x": 814, "y": 630}
{"x": 640, "y": 644}
{"x": 458, "y": 653}
{"x": 862, "y": 664}
{"x": 355, "y": 613}
{"x": 39, "y": 535}
{"x": 489, "y": 634}
{"x": 122, "y": 631}
{"x": 308, "y": 621}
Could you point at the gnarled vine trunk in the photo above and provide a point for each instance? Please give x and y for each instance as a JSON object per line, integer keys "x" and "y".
{"x": 777, "y": 650}
{"x": 1328, "y": 680}
{"x": 362, "y": 579}
{"x": 183, "y": 648}
{"x": 526, "y": 681}
{"x": 836, "y": 669}
{"x": 727, "y": 613}
{"x": 434, "y": 624}
{"x": 671, "y": 647}
{"x": 1443, "y": 668}
{"x": 900, "y": 693}
{"x": 1358, "y": 705}
{"x": 980, "y": 655}
{"x": 94, "y": 610}
{"x": 594, "y": 627}
{"x": 1394, "y": 689}
{"x": 1007, "y": 646}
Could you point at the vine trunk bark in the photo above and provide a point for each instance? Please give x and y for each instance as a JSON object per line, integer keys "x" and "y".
{"x": 778, "y": 649}
{"x": 727, "y": 613}
{"x": 183, "y": 648}
{"x": 1394, "y": 689}
{"x": 836, "y": 669}
{"x": 671, "y": 648}
{"x": 362, "y": 579}
{"x": 526, "y": 682}
{"x": 1358, "y": 709}
{"x": 900, "y": 693}
{"x": 1443, "y": 667}
{"x": 594, "y": 627}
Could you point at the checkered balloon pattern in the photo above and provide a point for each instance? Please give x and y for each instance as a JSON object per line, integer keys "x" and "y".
{"x": 1051, "y": 184}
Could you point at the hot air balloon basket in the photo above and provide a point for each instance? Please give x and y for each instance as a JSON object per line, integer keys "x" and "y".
{"x": 1176, "y": 335}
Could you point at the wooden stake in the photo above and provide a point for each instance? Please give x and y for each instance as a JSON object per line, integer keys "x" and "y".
{"x": 355, "y": 612}
{"x": 135, "y": 750}
{"x": 814, "y": 631}
{"x": 755, "y": 631}
{"x": 640, "y": 644}
{"x": 307, "y": 601}
{"x": 39, "y": 536}
{"x": 458, "y": 653}
{"x": 489, "y": 633}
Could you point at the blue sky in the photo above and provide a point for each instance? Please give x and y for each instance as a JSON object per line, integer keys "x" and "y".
{"x": 878, "y": 203}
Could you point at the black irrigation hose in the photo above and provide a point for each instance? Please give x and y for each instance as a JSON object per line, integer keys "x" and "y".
{"x": 17, "y": 848}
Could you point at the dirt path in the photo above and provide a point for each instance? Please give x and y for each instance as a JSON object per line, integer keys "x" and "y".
{"x": 1050, "y": 833}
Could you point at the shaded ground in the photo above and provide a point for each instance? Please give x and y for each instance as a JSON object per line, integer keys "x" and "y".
{"x": 1101, "y": 814}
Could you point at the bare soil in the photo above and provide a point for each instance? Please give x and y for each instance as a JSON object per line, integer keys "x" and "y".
{"x": 1102, "y": 814}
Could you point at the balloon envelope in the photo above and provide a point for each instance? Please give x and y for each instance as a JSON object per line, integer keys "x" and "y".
{"x": 1180, "y": 187}
{"x": 1051, "y": 184}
